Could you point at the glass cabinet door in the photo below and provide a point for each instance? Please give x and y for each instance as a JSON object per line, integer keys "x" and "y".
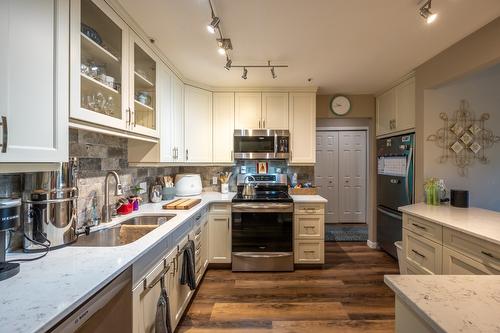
{"x": 144, "y": 86}
{"x": 103, "y": 36}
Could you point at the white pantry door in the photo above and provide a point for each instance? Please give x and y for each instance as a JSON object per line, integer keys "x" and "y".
{"x": 326, "y": 172}
{"x": 352, "y": 175}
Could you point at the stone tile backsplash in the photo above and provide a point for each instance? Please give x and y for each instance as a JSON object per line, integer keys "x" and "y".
{"x": 99, "y": 153}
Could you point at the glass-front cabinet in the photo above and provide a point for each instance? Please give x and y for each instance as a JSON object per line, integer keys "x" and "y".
{"x": 117, "y": 72}
{"x": 143, "y": 88}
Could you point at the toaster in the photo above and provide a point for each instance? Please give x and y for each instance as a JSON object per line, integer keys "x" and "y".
{"x": 187, "y": 184}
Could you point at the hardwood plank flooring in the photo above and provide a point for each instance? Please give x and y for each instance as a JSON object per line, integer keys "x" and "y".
{"x": 348, "y": 295}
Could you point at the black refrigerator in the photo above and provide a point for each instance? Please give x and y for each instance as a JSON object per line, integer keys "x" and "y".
{"x": 395, "y": 187}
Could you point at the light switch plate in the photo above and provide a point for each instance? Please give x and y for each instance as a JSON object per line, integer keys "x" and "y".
{"x": 214, "y": 180}
{"x": 144, "y": 187}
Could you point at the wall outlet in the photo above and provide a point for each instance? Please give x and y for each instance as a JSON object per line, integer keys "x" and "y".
{"x": 214, "y": 180}
{"x": 144, "y": 187}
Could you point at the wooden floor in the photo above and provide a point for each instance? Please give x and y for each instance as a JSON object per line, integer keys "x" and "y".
{"x": 347, "y": 295}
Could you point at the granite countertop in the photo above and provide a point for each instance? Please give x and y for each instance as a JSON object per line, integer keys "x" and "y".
{"x": 477, "y": 222}
{"x": 48, "y": 289}
{"x": 308, "y": 199}
{"x": 451, "y": 303}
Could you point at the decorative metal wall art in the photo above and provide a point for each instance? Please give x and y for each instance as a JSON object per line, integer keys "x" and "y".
{"x": 464, "y": 138}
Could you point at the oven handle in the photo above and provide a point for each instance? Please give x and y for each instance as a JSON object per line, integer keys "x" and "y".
{"x": 262, "y": 254}
{"x": 262, "y": 208}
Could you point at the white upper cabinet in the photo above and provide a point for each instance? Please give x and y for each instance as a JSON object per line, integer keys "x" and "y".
{"x": 247, "y": 112}
{"x": 396, "y": 108}
{"x": 223, "y": 127}
{"x": 165, "y": 110}
{"x": 143, "y": 99}
{"x": 177, "y": 126}
{"x": 198, "y": 124}
{"x": 302, "y": 123}
{"x": 34, "y": 98}
{"x": 275, "y": 110}
{"x": 405, "y": 105}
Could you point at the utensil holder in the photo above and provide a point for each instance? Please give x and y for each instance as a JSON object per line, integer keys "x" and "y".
{"x": 168, "y": 193}
{"x": 224, "y": 188}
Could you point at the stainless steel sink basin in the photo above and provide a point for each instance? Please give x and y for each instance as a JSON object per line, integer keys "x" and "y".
{"x": 124, "y": 233}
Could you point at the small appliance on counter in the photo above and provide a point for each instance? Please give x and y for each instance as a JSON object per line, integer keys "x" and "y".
{"x": 187, "y": 184}
{"x": 10, "y": 212}
{"x": 459, "y": 198}
{"x": 50, "y": 207}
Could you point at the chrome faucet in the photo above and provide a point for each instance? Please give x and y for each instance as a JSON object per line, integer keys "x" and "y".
{"x": 106, "y": 210}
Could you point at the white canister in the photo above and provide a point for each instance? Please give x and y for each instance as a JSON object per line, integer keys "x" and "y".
{"x": 224, "y": 188}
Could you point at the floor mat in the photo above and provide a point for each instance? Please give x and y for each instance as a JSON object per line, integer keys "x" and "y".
{"x": 346, "y": 233}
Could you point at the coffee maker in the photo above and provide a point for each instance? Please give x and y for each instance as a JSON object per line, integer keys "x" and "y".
{"x": 10, "y": 211}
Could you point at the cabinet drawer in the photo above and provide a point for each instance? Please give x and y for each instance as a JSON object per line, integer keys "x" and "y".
{"x": 309, "y": 226}
{"x": 424, "y": 228}
{"x": 480, "y": 250}
{"x": 309, "y": 208}
{"x": 220, "y": 208}
{"x": 412, "y": 269}
{"x": 455, "y": 263}
{"x": 309, "y": 252}
{"x": 422, "y": 252}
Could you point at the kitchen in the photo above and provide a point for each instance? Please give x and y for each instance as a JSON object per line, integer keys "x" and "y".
{"x": 180, "y": 189}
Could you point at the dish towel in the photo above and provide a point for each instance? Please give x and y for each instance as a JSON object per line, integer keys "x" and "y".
{"x": 188, "y": 275}
{"x": 162, "y": 320}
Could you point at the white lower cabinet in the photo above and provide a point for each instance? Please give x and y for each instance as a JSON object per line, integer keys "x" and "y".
{"x": 219, "y": 234}
{"x": 34, "y": 80}
{"x": 147, "y": 292}
{"x": 309, "y": 233}
{"x": 430, "y": 248}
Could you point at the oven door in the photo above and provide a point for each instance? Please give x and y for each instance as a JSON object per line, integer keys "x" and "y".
{"x": 262, "y": 236}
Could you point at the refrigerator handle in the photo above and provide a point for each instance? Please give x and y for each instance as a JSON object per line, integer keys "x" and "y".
{"x": 407, "y": 178}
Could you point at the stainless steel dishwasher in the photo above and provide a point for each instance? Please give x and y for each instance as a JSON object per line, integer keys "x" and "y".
{"x": 109, "y": 310}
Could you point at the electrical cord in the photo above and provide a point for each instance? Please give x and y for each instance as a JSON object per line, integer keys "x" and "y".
{"x": 46, "y": 246}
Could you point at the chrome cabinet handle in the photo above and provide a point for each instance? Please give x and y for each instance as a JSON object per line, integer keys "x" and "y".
{"x": 158, "y": 278}
{"x": 232, "y": 155}
{"x": 187, "y": 154}
{"x": 259, "y": 124}
{"x": 264, "y": 123}
{"x": 173, "y": 153}
{"x": 489, "y": 254}
{"x": 5, "y": 134}
{"x": 309, "y": 251}
{"x": 419, "y": 226}
{"x": 418, "y": 253}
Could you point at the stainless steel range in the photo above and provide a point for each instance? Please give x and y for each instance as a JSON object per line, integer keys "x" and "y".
{"x": 262, "y": 224}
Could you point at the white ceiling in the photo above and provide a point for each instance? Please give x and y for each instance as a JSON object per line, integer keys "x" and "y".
{"x": 347, "y": 46}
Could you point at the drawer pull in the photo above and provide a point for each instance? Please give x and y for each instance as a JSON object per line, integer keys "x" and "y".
{"x": 309, "y": 226}
{"x": 488, "y": 254}
{"x": 309, "y": 251}
{"x": 419, "y": 226}
{"x": 418, "y": 253}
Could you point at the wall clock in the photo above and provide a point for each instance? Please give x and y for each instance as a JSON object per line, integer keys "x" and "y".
{"x": 340, "y": 105}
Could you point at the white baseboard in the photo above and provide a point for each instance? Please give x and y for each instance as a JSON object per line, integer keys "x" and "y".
{"x": 372, "y": 245}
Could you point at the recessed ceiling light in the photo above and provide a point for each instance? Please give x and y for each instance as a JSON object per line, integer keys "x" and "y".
{"x": 425, "y": 12}
{"x": 213, "y": 25}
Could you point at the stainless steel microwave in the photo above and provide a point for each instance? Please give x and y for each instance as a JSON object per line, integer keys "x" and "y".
{"x": 251, "y": 144}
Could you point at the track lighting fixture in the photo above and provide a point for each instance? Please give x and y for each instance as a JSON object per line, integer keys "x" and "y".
{"x": 228, "y": 64}
{"x": 245, "y": 72}
{"x": 213, "y": 25}
{"x": 425, "y": 12}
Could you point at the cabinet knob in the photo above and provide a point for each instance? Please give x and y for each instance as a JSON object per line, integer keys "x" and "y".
{"x": 5, "y": 134}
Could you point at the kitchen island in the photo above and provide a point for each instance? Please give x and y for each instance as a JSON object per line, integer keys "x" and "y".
{"x": 446, "y": 303}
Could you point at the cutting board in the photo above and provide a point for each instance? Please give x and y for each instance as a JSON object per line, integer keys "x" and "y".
{"x": 182, "y": 204}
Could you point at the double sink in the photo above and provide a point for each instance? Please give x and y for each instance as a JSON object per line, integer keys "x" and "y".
{"x": 123, "y": 233}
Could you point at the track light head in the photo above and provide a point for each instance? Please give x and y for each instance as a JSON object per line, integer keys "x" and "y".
{"x": 228, "y": 64}
{"x": 425, "y": 12}
{"x": 224, "y": 45}
{"x": 273, "y": 74}
{"x": 213, "y": 25}
{"x": 245, "y": 72}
